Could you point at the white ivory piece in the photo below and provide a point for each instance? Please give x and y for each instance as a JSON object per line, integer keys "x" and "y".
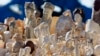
{"x": 97, "y": 50}
{"x": 3, "y": 51}
{"x": 7, "y": 35}
{"x": 64, "y": 23}
{"x": 92, "y": 26}
{"x": 47, "y": 12}
{"x": 30, "y": 20}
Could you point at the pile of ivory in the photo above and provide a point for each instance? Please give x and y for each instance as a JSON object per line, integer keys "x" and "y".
{"x": 33, "y": 36}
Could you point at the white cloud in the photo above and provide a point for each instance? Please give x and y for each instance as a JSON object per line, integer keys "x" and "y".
{"x": 56, "y": 9}
{"x": 4, "y": 2}
{"x": 87, "y": 3}
{"x": 15, "y": 8}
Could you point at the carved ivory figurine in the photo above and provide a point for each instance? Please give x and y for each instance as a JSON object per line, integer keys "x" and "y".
{"x": 42, "y": 31}
{"x": 64, "y": 23}
{"x": 30, "y": 20}
{"x": 25, "y": 51}
{"x": 47, "y": 12}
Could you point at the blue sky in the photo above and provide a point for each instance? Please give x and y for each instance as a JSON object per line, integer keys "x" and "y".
{"x": 15, "y": 8}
